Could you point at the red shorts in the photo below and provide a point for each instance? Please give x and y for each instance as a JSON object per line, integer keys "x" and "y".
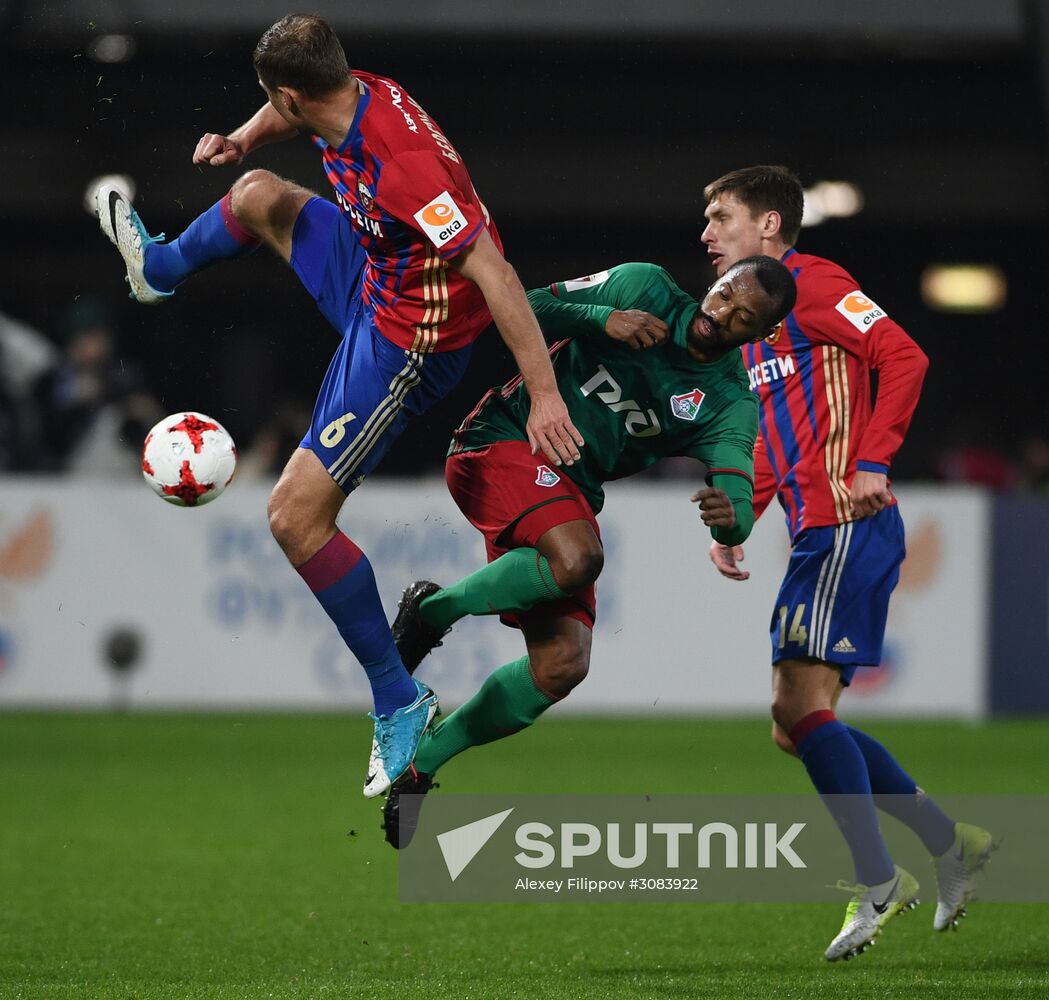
{"x": 513, "y": 498}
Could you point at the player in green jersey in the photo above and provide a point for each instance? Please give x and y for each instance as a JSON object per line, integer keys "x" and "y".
{"x": 647, "y": 372}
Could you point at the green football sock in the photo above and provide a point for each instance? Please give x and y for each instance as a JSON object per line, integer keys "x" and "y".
{"x": 508, "y": 702}
{"x": 516, "y": 581}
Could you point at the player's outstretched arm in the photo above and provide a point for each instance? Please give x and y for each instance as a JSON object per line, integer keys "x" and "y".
{"x": 264, "y": 127}
{"x": 560, "y": 318}
{"x": 549, "y": 427}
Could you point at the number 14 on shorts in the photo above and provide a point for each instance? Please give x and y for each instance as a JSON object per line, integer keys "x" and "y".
{"x": 797, "y": 633}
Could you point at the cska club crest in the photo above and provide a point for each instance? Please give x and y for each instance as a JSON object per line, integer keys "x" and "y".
{"x": 545, "y": 476}
{"x": 367, "y": 201}
{"x": 686, "y": 406}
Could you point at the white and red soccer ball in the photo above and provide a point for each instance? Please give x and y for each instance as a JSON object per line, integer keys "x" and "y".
{"x": 188, "y": 459}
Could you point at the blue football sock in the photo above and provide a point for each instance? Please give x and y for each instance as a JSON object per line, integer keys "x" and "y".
{"x": 837, "y": 768}
{"x": 216, "y": 235}
{"x": 341, "y": 578}
{"x": 896, "y": 793}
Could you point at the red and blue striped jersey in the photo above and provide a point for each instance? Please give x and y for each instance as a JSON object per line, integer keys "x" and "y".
{"x": 409, "y": 198}
{"x": 812, "y": 377}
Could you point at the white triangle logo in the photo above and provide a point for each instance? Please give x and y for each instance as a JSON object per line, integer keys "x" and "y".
{"x": 461, "y": 845}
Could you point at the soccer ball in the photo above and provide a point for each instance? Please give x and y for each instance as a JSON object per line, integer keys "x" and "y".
{"x": 188, "y": 459}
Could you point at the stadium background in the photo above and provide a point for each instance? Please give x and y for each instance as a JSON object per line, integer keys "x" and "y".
{"x": 589, "y": 129}
{"x": 590, "y": 132}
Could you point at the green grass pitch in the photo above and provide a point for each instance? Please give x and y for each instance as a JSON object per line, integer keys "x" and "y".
{"x": 233, "y": 856}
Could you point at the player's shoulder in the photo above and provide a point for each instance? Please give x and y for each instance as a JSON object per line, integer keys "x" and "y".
{"x": 633, "y": 285}
{"x": 637, "y": 267}
{"x": 809, "y": 268}
{"x": 819, "y": 280}
{"x": 392, "y": 124}
{"x": 381, "y": 89}
{"x": 644, "y": 273}
{"x": 636, "y": 275}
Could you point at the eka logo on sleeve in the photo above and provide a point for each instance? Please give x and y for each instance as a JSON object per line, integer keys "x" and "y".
{"x": 860, "y": 311}
{"x": 686, "y": 406}
{"x": 441, "y": 220}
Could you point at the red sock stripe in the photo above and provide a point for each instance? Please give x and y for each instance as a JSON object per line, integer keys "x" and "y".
{"x": 330, "y": 563}
{"x": 233, "y": 227}
{"x": 811, "y": 722}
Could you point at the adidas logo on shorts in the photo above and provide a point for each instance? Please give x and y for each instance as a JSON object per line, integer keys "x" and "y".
{"x": 844, "y": 646}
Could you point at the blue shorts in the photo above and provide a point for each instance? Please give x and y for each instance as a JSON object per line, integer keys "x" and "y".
{"x": 373, "y": 386}
{"x": 834, "y": 600}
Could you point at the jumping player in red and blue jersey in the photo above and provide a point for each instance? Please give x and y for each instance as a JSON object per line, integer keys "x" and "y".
{"x": 408, "y": 267}
{"x": 825, "y": 452}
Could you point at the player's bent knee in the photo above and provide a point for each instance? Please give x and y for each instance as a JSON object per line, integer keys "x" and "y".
{"x": 559, "y": 673}
{"x": 577, "y": 568}
{"x": 265, "y": 204}
{"x": 253, "y": 193}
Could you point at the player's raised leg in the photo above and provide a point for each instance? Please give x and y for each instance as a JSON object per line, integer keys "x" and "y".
{"x": 260, "y": 208}
{"x": 521, "y": 578}
{"x": 302, "y": 510}
{"x": 126, "y": 231}
{"x": 516, "y": 581}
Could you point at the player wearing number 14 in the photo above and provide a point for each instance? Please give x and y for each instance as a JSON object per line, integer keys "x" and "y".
{"x": 825, "y": 452}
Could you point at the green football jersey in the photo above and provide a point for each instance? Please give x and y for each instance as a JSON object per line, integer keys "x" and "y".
{"x": 633, "y": 407}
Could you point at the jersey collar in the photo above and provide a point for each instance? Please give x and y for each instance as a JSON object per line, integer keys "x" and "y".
{"x": 358, "y": 114}
{"x": 362, "y": 106}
